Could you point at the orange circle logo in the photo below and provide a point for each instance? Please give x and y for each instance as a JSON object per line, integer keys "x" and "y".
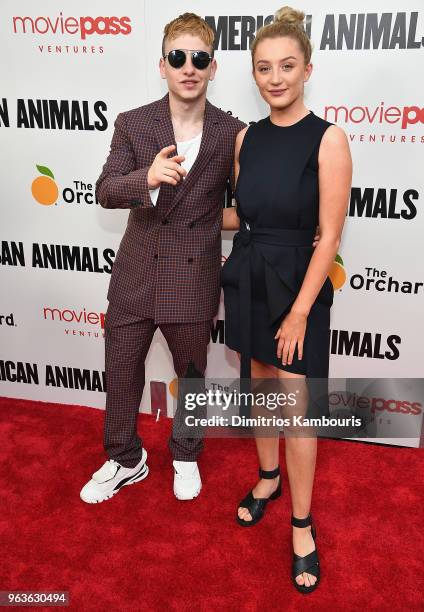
{"x": 173, "y": 388}
{"x": 337, "y": 273}
{"x": 43, "y": 188}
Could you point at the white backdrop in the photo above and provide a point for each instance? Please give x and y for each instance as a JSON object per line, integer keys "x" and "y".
{"x": 366, "y": 68}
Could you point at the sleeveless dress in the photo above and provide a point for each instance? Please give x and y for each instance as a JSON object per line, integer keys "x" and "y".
{"x": 277, "y": 196}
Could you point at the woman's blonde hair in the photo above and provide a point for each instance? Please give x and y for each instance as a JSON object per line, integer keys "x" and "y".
{"x": 287, "y": 22}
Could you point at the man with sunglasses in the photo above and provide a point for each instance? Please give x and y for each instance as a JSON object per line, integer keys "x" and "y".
{"x": 169, "y": 163}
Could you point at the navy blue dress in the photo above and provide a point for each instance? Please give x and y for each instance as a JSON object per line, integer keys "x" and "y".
{"x": 277, "y": 197}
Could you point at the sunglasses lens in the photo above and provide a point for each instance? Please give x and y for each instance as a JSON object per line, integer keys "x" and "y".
{"x": 200, "y": 60}
{"x": 177, "y": 58}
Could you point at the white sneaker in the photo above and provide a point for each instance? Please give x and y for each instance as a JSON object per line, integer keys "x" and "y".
{"x": 187, "y": 482}
{"x": 108, "y": 480}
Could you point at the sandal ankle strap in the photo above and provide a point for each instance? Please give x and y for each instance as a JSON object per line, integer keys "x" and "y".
{"x": 305, "y": 522}
{"x": 268, "y": 474}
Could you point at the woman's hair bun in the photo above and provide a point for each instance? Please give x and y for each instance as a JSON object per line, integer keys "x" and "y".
{"x": 289, "y": 16}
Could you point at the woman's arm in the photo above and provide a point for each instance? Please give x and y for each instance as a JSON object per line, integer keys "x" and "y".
{"x": 231, "y": 219}
{"x": 335, "y": 176}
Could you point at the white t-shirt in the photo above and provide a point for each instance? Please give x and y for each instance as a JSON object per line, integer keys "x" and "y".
{"x": 190, "y": 150}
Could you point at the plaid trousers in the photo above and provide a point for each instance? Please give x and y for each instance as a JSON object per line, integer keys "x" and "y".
{"x": 127, "y": 342}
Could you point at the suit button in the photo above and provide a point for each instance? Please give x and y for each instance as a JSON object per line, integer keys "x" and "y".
{"x": 190, "y": 260}
{"x": 155, "y": 255}
{"x": 135, "y": 202}
{"x": 165, "y": 221}
{"x": 191, "y": 225}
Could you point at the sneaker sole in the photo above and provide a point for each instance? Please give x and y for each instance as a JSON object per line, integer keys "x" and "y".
{"x": 188, "y": 498}
{"x": 141, "y": 475}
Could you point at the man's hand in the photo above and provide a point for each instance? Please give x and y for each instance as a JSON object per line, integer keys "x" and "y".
{"x": 316, "y": 237}
{"x": 165, "y": 170}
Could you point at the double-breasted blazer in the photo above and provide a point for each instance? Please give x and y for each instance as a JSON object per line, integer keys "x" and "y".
{"x": 169, "y": 261}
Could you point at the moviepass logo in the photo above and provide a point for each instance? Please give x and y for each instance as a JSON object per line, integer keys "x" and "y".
{"x": 374, "y": 404}
{"x": 375, "y": 115}
{"x": 95, "y": 321}
{"x": 82, "y": 26}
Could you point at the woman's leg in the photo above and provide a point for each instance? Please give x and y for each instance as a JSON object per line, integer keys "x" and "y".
{"x": 300, "y": 464}
{"x": 267, "y": 447}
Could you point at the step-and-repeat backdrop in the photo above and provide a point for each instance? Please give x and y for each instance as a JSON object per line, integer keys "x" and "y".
{"x": 68, "y": 69}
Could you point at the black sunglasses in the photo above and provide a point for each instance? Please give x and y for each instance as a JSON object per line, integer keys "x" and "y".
{"x": 177, "y": 58}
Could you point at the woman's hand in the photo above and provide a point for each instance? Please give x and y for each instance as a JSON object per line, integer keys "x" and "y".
{"x": 291, "y": 333}
{"x": 230, "y": 219}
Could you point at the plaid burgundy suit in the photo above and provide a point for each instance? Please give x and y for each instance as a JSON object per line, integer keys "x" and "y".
{"x": 167, "y": 269}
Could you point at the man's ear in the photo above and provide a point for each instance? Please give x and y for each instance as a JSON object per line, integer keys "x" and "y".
{"x": 162, "y": 68}
{"x": 214, "y": 67}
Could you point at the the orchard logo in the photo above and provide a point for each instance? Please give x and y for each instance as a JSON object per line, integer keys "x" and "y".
{"x": 45, "y": 191}
{"x": 377, "y": 280}
{"x": 173, "y": 388}
{"x": 7, "y": 320}
{"x": 337, "y": 273}
{"x": 82, "y": 27}
{"x": 72, "y": 319}
{"x": 43, "y": 188}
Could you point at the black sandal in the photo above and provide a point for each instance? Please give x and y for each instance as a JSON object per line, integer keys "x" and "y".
{"x": 309, "y": 563}
{"x": 256, "y": 506}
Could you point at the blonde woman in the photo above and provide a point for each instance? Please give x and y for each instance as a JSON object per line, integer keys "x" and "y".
{"x": 293, "y": 173}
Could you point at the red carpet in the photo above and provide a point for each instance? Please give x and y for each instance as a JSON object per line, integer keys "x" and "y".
{"x": 144, "y": 550}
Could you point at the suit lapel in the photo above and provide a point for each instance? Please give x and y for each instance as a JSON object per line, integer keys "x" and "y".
{"x": 207, "y": 146}
{"x": 164, "y": 134}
